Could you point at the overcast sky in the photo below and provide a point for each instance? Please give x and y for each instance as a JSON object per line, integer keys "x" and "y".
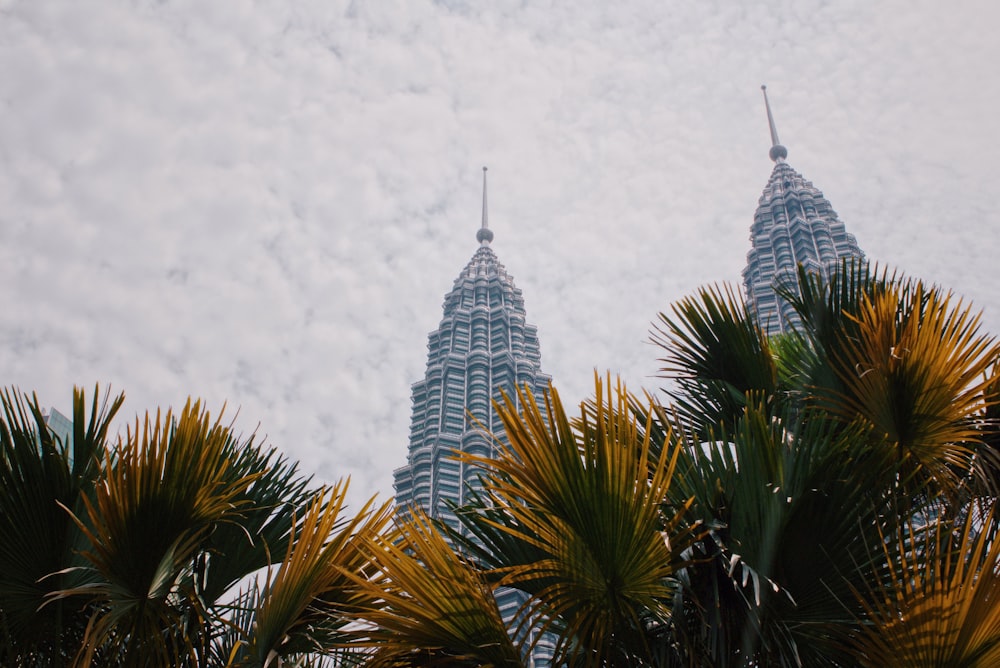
{"x": 264, "y": 203}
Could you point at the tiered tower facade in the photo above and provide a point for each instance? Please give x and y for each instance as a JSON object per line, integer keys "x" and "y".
{"x": 483, "y": 347}
{"x": 794, "y": 225}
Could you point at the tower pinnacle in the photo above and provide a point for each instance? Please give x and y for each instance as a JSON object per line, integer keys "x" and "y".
{"x": 794, "y": 228}
{"x": 778, "y": 152}
{"x": 485, "y": 235}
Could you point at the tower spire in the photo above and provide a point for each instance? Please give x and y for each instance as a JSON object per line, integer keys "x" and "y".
{"x": 778, "y": 152}
{"x": 485, "y": 235}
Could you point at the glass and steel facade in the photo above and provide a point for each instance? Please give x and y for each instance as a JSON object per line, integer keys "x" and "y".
{"x": 482, "y": 348}
{"x": 794, "y": 225}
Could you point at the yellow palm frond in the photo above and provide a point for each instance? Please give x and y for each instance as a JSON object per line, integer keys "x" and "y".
{"x": 164, "y": 487}
{"x": 304, "y": 604}
{"x": 941, "y": 604}
{"x": 590, "y": 496}
{"x": 435, "y": 607}
{"x": 916, "y": 371}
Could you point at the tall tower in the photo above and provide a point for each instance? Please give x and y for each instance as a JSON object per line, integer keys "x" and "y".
{"x": 793, "y": 225}
{"x": 483, "y": 346}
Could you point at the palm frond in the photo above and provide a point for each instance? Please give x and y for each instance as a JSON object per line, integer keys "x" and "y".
{"x": 434, "y": 607}
{"x": 39, "y": 471}
{"x": 491, "y": 538}
{"x": 917, "y": 372}
{"x": 715, "y": 354}
{"x": 939, "y": 607}
{"x": 163, "y": 488}
{"x": 825, "y": 304}
{"x": 588, "y": 494}
{"x": 773, "y": 495}
{"x": 989, "y": 454}
{"x": 268, "y": 507}
{"x": 303, "y": 606}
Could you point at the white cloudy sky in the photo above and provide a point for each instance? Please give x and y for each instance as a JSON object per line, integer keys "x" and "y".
{"x": 263, "y": 203}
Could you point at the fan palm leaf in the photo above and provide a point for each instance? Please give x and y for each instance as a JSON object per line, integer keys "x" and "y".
{"x": 493, "y": 549}
{"x": 39, "y": 471}
{"x": 787, "y": 501}
{"x": 917, "y": 372}
{"x": 435, "y": 608}
{"x": 940, "y": 605}
{"x": 588, "y": 495}
{"x": 885, "y": 386}
{"x": 715, "y": 354}
{"x": 268, "y": 508}
{"x": 304, "y": 605}
{"x": 825, "y": 304}
{"x": 163, "y": 488}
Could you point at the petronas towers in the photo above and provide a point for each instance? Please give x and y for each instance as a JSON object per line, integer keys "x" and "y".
{"x": 484, "y": 345}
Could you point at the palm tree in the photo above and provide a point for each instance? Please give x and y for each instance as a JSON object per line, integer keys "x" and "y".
{"x": 907, "y": 359}
{"x": 137, "y": 553}
{"x": 823, "y": 498}
{"x": 806, "y": 500}
{"x": 40, "y": 474}
{"x": 309, "y": 601}
{"x": 747, "y": 522}
{"x": 804, "y": 451}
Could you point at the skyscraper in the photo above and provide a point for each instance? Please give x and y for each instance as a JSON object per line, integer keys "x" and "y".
{"x": 482, "y": 347}
{"x": 61, "y": 426}
{"x": 794, "y": 225}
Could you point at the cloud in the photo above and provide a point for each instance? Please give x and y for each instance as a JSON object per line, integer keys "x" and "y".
{"x": 264, "y": 204}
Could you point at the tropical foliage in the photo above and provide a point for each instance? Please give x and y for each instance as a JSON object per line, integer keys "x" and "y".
{"x": 824, "y": 446}
{"x": 820, "y": 498}
{"x": 136, "y": 553}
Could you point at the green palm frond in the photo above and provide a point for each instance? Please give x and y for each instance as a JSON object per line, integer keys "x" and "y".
{"x": 491, "y": 538}
{"x": 39, "y": 471}
{"x": 787, "y": 500}
{"x": 715, "y": 354}
{"x": 822, "y": 300}
{"x": 827, "y": 306}
{"x": 589, "y": 494}
{"x": 940, "y": 605}
{"x": 886, "y": 386}
{"x": 907, "y": 358}
{"x": 434, "y": 607}
{"x": 268, "y": 508}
